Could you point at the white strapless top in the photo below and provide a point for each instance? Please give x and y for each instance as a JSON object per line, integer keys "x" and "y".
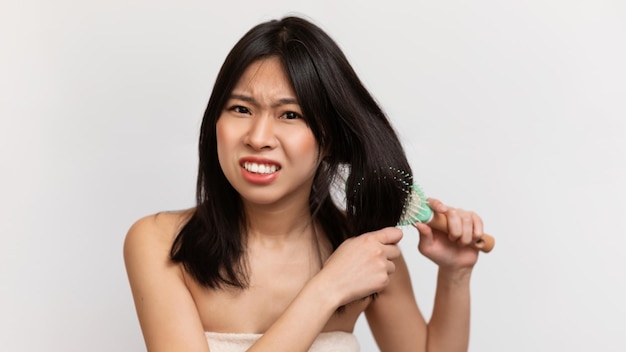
{"x": 334, "y": 341}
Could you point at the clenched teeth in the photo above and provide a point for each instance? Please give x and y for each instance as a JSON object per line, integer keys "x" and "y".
{"x": 260, "y": 168}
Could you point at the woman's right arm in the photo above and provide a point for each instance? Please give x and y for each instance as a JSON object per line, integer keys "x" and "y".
{"x": 358, "y": 268}
{"x": 167, "y": 313}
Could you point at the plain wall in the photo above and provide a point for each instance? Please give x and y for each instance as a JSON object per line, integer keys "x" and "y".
{"x": 514, "y": 109}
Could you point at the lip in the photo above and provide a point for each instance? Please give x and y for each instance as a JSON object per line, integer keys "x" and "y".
{"x": 261, "y": 179}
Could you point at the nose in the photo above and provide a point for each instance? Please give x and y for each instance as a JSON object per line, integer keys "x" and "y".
{"x": 261, "y": 134}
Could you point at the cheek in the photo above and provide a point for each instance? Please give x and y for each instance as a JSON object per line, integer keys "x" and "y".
{"x": 305, "y": 146}
{"x": 224, "y": 140}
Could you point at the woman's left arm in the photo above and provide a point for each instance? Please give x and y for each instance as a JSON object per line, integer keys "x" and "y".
{"x": 394, "y": 317}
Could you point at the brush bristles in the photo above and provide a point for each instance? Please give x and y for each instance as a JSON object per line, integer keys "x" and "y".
{"x": 416, "y": 208}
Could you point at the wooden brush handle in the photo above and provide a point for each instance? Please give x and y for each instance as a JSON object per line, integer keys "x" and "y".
{"x": 484, "y": 244}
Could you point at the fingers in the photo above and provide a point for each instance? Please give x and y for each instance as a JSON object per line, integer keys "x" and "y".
{"x": 425, "y": 232}
{"x": 460, "y": 226}
{"x": 391, "y": 267}
{"x": 437, "y": 205}
{"x": 464, "y": 227}
{"x": 363, "y": 264}
{"x": 392, "y": 252}
{"x": 389, "y": 235}
{"x": 478, "y": 226}
{"x": 382, "y": 243}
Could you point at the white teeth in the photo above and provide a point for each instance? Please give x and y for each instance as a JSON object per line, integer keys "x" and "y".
{"x": 259, "y": 168}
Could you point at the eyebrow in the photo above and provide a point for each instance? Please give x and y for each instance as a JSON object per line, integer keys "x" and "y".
{"x": 249, "y": 99}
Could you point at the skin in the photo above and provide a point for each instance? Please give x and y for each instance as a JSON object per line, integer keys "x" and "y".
{"x": 296, "y": 283}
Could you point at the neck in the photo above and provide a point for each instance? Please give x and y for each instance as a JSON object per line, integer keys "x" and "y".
{"x": 277, "y": 222}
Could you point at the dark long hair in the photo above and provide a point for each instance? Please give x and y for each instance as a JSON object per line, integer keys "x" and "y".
{"x": 352, "y": 132}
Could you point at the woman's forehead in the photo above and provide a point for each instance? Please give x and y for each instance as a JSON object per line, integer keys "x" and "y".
{"x": 265, "y": 81}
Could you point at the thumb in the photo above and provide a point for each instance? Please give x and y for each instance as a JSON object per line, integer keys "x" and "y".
{"x": 389, "y": 235}
{"x": 426, "y": 233}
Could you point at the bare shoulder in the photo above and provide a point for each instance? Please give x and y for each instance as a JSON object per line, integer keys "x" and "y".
{"x": 158, "y": 229}
{"x": 150, "y": 238}
{"x": 166, "y": 310}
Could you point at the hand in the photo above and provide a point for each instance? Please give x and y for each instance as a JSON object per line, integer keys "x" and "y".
{"x": 451, "y": 249}
{"x": 361, "y": 265}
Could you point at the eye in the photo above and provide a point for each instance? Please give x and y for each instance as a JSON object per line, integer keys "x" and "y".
{"x": 240, "y": 109}
{"x": 290, "y": 115}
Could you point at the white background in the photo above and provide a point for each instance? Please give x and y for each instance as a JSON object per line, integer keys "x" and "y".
{"x": 514, "y": 109}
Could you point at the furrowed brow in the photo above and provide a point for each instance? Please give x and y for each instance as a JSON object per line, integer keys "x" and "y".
{"x": 241, "y": 97}
{"x": 251, "y": 100}
{"x": 286, "y": 101}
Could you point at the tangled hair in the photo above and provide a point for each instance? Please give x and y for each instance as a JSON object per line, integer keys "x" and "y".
{"x": 352, "y": 132}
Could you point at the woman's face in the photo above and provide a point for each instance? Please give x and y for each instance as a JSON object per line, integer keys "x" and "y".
{"x": 264, "y": 146}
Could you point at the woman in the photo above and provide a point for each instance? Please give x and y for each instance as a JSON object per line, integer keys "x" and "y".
{"x": 267, "y": 261}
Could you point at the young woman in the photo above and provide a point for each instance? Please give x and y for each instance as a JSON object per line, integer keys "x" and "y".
{"x": 266, "y": 260}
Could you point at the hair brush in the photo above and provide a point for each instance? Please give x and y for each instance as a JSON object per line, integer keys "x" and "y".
{"x": 416, "y": 209}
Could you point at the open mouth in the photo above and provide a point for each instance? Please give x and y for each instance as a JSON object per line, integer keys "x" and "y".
{"x": 259, "y": 168}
